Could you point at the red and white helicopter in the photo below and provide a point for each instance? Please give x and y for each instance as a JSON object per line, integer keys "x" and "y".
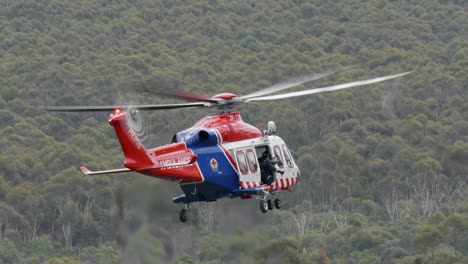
{"x": 220, "y": 156}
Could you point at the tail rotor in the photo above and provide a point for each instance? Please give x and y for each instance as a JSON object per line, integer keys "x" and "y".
{"x": 137, "y": 123}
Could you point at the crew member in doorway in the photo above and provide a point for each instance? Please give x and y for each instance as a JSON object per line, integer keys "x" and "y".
{"x": 268, "y": 169}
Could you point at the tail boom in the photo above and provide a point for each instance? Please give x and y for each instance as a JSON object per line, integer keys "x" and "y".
{"x": 173, "y": 162}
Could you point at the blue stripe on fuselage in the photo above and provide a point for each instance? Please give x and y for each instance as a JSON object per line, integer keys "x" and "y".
{"x": 226, "y": 177}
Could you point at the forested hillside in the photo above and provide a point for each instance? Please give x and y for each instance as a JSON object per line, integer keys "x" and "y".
{"x": 384, "y": 167}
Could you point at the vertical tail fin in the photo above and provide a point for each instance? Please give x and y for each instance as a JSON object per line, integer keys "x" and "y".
{"x": 136, "y": 156}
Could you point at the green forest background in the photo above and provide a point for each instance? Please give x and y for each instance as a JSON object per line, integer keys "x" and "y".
{"x": 384, "y": 167}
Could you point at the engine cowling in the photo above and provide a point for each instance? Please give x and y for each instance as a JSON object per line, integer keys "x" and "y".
{"x": 202, "y": 138}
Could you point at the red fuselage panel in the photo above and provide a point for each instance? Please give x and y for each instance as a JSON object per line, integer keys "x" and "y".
{"x": 230, "y": 127}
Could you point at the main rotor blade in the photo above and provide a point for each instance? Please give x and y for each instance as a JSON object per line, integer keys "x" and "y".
{"x": 113, "y": 107}
{"x": 187, "y": 96}
{"x": 293, "y": 83}
{"x": 328, "y": 88}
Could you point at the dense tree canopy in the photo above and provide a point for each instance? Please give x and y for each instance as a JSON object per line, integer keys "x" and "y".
{"x": 384, "y": 168}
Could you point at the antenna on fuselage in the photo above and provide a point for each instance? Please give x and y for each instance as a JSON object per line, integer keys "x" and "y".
{"x": 271, "y": 128}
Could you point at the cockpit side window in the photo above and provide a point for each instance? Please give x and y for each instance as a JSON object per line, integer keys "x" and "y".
{"x": 287, "y": 156}
{"x": 278, "y": 154}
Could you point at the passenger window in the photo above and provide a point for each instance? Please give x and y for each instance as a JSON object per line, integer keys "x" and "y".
{"x": 252, "y": 161}
{"x": 242, "y": 162}
{"x": 277, "y": 151}
{"x": 287, "y": 156}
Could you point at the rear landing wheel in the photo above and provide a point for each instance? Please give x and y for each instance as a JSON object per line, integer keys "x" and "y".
{"x": 263, "y": 206}
{"x": 278, "y": 203}
{"x": 183, "y": 215}
{"x": 270, "y": 205}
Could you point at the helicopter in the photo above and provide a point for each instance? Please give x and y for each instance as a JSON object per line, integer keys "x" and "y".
{"x": 220, "y": 156}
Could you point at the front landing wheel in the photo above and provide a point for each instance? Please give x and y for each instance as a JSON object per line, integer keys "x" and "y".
{"x": 270, "y": 204}
{"x": 263, "y": 206}
{"x": 278, "y": 203}
{"x": 183, "y": 215}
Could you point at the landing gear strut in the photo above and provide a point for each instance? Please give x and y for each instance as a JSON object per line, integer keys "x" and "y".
{"x": 183, "y": 214}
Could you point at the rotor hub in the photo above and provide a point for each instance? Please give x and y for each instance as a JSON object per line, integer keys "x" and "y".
{"x": 225, "y": 96}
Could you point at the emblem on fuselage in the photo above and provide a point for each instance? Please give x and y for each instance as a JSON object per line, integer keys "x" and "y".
{"x": 214, "y": 165}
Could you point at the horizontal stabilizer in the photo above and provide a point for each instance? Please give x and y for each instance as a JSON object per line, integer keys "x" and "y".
{"x": 88, "y": 172}
{"x": 179, "y": 199}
